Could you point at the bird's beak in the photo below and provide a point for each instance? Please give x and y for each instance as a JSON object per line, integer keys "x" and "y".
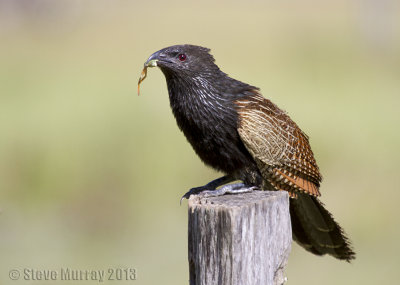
{"x": 152, "y": 60}
{"x": 151, "y": 63}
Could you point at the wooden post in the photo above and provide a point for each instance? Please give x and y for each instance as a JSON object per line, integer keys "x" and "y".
{"x": 241, "y": 239}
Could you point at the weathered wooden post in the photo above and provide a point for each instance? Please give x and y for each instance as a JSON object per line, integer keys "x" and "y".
{"x": 241, "y": 239}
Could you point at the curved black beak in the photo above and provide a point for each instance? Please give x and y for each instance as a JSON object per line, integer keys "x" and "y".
{"x": 152, "y": 60}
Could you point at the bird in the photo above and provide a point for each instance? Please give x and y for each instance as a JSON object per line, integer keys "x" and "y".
{"x": 235, "y": 130}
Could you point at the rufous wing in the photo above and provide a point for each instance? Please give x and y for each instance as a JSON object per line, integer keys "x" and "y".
{"x": 280, "y": 149}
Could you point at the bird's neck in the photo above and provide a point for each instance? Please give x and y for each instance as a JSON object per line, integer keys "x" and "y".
{"x": 194, "y": 98}
{"x": 208, "y": 90}
{"x": 198, "y": 102}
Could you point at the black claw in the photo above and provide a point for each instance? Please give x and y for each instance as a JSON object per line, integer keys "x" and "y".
{"x": 208, "y": 187}
{"x": 186, "y": 196}
{"x": 228, "y": 189}
{"x": 193, "y": 191}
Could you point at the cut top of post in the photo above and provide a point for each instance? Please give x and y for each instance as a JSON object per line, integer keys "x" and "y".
{"x": 239, "y": 239}
{"x": 237, "y": 200}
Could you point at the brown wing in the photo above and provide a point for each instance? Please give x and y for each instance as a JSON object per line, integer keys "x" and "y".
{"x": 281, "y": 150}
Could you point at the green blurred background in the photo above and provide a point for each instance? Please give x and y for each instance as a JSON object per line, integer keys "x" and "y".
{"x": 91, "y": 174}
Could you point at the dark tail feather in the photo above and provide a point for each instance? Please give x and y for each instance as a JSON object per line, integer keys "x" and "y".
{"x": 315, "y": 229}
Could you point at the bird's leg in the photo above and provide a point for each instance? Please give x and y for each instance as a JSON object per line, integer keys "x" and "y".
{"x": 209, "y": 186}
{"x": 210, "y": 189}
{"x": 230, "y": 188}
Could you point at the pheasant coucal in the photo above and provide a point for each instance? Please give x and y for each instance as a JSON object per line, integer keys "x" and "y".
{"x": 237, "y": 131}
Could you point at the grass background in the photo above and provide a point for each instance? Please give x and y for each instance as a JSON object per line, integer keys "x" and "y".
{"x": 91, "y": 174}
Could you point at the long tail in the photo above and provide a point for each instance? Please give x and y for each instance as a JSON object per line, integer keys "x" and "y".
{"x": 315, "y": 229}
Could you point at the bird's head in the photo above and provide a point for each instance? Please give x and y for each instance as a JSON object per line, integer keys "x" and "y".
{"x": 183, "y": 59}
{"x": 190, "y": 67}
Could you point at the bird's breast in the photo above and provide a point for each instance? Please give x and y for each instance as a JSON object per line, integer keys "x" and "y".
{"x": 210, "y": 126}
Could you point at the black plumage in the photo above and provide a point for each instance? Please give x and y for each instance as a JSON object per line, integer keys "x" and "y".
{"x": 235, "y": 130}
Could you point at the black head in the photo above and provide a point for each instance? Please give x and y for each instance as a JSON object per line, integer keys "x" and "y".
{"x": 190, "y": 70}
{"x": 183, "y": 60}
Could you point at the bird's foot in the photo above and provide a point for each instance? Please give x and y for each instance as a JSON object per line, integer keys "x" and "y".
{"x": 194, "y": 191}
{"x": 204, "y": 191}
{"x": 236, "y": 188}
{"x": 208, "y": 187}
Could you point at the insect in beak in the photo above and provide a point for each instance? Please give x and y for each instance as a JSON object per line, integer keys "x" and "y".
{"x": 149, "y": 63}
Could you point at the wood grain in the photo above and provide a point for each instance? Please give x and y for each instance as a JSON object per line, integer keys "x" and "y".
{"x": 239, "y": 239}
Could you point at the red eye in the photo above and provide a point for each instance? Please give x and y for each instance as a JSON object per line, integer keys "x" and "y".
{"x": 182, "y": 57}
